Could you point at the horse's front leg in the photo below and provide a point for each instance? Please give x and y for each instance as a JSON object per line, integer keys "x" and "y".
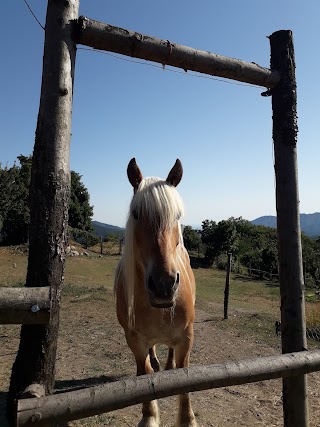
{"x": 171, "y": 364}
{"x": 154, "y": 359}
{"x": 150, "y": 412}
{"x": 186, "y": 416}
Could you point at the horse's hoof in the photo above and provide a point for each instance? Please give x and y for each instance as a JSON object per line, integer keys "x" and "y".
{"x": 190, "y": 423}
{"x": 149, "y": 422}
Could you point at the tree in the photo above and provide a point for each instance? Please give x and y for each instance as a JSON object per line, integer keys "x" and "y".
{"x": 311, "y": 258}
{"x": 15, "y": 207}
{"x": 191, "y": 238}
{"x": 14, "y": 191}
{"x": 219, "y": 238}
{"x": 80, "y": 211}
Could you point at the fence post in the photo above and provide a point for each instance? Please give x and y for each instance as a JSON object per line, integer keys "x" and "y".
{"x": 101, "y": 246}
{"x": 293, "y": 327}
{"x": 226, "y": 289}
{"x": 49, "y": 199}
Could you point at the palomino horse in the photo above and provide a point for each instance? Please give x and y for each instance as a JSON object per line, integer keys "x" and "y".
{"x": 154, "y": 284}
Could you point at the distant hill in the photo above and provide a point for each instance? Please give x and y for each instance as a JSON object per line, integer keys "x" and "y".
{"x": 310, "y": 223}
{"x": 101, "y": 229}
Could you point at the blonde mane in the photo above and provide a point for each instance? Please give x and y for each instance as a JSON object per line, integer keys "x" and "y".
{"x": 159, "y": 203}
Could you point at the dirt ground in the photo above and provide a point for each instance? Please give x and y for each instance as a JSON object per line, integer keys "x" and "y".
{"x": 92, "y": 350}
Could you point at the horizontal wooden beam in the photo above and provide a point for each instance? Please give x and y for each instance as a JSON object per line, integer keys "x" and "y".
{"x": 25, "y": 305}
{"x": 96, "y": 400}
{"x": 114, "y": 39}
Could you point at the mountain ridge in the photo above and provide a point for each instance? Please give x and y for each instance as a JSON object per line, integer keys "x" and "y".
{"x": 310, "y": 223}
{"x": 102, "y": 229}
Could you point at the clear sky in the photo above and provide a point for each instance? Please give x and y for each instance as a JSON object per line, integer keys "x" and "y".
{"x": 221, "y": 132}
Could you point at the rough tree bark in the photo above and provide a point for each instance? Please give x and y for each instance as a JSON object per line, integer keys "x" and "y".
{"x": 285, "y": 129}
{"x": 49, "y": 198}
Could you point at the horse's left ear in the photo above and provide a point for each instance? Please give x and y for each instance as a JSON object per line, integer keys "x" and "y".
{"x": 134, "y": 174}
{"x": 175, "y": 174}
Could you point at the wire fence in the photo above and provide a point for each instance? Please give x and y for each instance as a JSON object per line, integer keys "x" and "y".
{"x": 312, "y": 332}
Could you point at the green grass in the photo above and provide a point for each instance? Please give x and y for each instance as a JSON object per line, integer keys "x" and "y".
{"x": 87, "y": 271}
{"x": 313, "y": 314}
{"x": 244, "y": 293}
{"x": 254, "y": 305}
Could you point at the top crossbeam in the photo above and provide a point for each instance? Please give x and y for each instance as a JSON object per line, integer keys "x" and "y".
{"x": 99, "y": 35}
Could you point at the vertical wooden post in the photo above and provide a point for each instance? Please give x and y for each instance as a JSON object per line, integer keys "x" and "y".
{"x": 293, "y": 328}
{"x": 101, "y": 245}
{"x": 49, "y": 198}
{"x": 226, "y": 289}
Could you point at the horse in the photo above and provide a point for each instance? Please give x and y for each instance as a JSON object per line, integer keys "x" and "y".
{"x": 155, "y": 285}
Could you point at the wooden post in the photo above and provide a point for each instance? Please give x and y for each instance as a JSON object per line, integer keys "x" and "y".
{"x": 101, "y": 245}
{"x": 226, "y": 289}
{"x": 293, "y": 327}
{"x": 49, "y": 198}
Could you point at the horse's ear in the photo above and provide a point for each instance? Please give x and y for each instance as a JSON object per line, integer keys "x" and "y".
{"x": 175, "y": 174}
{"x": 134, "y": 174}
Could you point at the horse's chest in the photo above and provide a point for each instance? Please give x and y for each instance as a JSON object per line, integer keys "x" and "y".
{"x": 162, "y": 332}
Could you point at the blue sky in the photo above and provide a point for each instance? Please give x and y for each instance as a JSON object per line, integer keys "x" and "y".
{"x": 221, "y": 132}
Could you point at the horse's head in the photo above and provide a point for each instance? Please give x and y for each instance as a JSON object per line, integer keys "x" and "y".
{"x": 156, "y": 232}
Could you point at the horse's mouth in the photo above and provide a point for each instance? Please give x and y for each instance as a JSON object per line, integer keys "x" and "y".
{"x": 161, "y": 304}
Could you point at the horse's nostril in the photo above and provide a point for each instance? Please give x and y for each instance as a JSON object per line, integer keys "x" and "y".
{"x": 178, "y": 278}
{"x": 151, "y": 284}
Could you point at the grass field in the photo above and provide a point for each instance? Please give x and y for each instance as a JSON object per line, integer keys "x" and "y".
{"x": 92, "y": 274}
{"x": 92, "y": 348}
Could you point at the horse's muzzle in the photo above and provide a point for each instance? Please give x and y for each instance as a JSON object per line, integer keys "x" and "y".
{"x": 162, "y": 290}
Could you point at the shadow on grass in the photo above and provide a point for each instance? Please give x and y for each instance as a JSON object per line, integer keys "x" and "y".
{"x": 266, "y": 282}
{"x": 3, "y": 404}
{"x": 198, "y": 262}
{"x": 62, "y": 386}
{"x": 72, "y": 385}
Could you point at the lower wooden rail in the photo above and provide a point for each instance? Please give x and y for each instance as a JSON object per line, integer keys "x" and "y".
{"x": 96, "y": 400}
{"x": 25, "y": 305}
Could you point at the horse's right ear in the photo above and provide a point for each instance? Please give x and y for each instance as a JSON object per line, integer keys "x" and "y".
{"x": 134, "y": 174}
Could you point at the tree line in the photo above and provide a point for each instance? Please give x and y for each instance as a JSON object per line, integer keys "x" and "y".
{"x": 14, "y": 205}
{"x": 250, "y": 245}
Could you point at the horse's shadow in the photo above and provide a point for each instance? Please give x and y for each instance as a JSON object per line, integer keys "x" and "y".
{"x": 62, "y": 386}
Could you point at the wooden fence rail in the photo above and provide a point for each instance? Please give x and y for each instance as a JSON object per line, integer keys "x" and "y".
{"x": 25, "y": 306}
{"x": 114, "y": 39}
{"x": 96, "y": 400}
